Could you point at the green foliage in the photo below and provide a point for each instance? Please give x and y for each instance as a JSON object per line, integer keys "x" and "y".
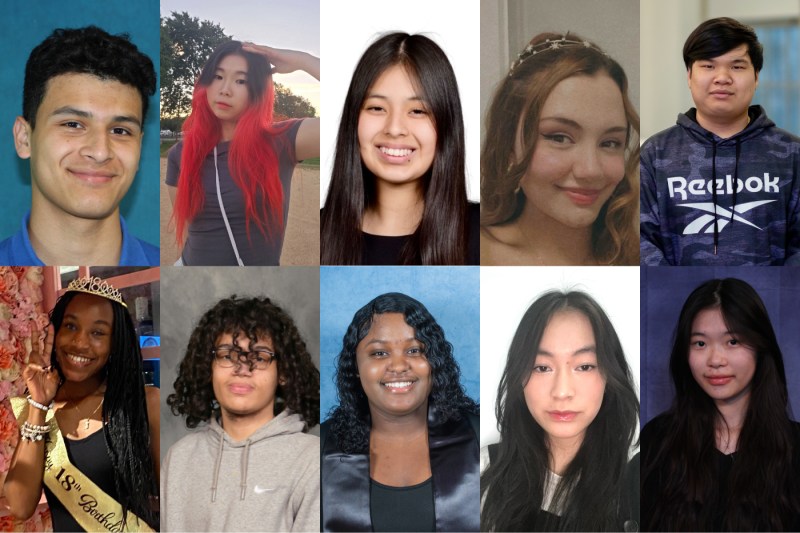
{"x": 186, "y": 43}
{"x": 291, "y": 105}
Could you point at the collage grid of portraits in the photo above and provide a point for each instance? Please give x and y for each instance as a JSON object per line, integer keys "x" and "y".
{"x": 496, "y": 287}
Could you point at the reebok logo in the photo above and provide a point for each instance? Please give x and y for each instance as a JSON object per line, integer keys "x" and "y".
{"x": 681, "y": 187}
{"x": 705, "y": 223}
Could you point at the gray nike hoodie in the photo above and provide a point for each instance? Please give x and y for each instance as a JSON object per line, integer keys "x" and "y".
{"x": 269, "y": 482}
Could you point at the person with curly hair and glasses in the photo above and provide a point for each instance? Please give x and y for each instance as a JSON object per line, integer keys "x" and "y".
{"x": 400, "y": 451}
{"x": 249, "y": 379}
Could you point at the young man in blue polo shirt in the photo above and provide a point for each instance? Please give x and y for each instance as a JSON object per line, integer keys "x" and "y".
{"x": 84, "y": 103}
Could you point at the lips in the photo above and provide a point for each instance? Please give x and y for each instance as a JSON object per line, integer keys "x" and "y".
{"x": 582, "y": 197}
{"x": 92, "y": 177}
{"x": 719, "y": 380}
{"x": 398, "y": 387}
{"x": 78, "y": 361}
{"x": 223, "y": 105}
{"x": 240, "y": 388}
{"x": 396, "y": 154}
{"x": 562, "y": 416}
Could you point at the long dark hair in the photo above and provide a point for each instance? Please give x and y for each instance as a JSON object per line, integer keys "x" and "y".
{"x": 761, "y": 491}
{"x": 442, "y": 234}
{"x": 590, "y": 491}
{"x": 252, "y": 318}
{"x": 350, "y": 420}
{"x": 125, "y": 424}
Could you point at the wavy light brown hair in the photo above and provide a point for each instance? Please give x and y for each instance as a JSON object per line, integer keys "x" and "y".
{"x": 513, "y": 121}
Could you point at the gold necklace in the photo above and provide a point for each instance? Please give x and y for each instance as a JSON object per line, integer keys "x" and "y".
{"x": 88, "y": 418}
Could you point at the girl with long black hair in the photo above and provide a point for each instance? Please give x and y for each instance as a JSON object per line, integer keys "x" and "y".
{"x": 89, "y": 427}
{"x": 726, "y": 455}
{"x": 397, "y": 193}
{"x": 567, "y": 411}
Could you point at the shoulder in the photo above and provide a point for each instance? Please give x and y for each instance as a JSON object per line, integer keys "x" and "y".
{"x": 663, "y": 138}
{"x": 136, "y": 252}
{"x": 186, "y": 447}
{"x": 152, "y": 396}
{"x": 288, "y": 128}
{"x": 17, "y": 249}
{"x": 174, "y": 153}
{"x": 655, "y": 428}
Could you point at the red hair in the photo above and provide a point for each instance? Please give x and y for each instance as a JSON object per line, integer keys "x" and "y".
{"x": 252, "y": 159}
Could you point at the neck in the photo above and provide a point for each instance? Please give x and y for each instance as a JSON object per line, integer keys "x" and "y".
{"x": 228, "y": 128}
{"x": 723, "y": 128}
{"x": 397, "y": 210}
{"x": 400, "y": 427}
{"x": 59, "y": 238}
{"x": 75, "y": 391}
{"x": 240, "y": 427}
{"x": 563, "y": 451}
{"x": 551, "y": 242}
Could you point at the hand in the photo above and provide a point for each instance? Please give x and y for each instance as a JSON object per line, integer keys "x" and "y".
{"x": 41, "y": 378}
{"x": 284, "y": 61}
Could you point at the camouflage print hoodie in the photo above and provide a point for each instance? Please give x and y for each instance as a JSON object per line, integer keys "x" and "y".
{"x": 750, "y": 217}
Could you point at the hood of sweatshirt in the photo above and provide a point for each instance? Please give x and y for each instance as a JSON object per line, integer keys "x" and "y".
{"x": 286, "y": 423}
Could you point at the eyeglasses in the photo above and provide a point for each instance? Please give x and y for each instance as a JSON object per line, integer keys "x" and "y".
{"x": 229, "y": 357}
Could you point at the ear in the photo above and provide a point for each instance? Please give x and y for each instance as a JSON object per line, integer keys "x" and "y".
{"x": 22, "y": 137}
{"x": 689, "y": 76}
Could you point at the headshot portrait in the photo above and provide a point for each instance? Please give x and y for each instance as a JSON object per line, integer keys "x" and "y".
{"x": 719, "y": 388}
{"x": 241, "y": 133}
{"x": 721, "y": 150}
{"x": 80, "y": 93}
{"x": 240, "y": 363}
{"x": 400, "y": 160}
{"x": 560, "y": 130}
{"x": 559, "y": 375}
{"x": 399, "y": 441}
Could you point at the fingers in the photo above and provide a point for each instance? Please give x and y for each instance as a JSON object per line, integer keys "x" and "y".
{"x": 48, "y": 345}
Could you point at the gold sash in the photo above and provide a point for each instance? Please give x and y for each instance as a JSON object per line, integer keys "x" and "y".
{"x": 92, "y": 508}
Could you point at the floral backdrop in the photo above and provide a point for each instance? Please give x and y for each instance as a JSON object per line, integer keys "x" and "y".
{"x": 20, "y": 312}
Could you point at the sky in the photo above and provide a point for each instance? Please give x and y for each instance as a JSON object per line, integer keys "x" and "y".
{"x": 290, "y": 24}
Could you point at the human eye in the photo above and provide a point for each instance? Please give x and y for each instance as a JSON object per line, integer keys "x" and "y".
{"x": 379, "y": 354}
{"x": 557, "y": 138}
{"x": 419, "y": 112}
{"x": 72, "y": 124}
{"x": 373, "y": 108}
{"x": 119, "y": 130}
{"x": 612, "y": 144}
{"x": 698, "y": 344}
{"x": 540, "y": 369}
{"x": 99, "y": 333}
{"x": 70, "y": 326}
{"x": 416, "y": 350}
{"x": 734, "y": 342}
{"x": 587, "y": 367}
{"x": 241, "y": 81}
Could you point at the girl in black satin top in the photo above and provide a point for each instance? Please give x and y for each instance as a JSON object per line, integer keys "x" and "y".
{"x": 400, "y": 451}
{"x": 567, "y": 411}
{"x": 726, "y": 455}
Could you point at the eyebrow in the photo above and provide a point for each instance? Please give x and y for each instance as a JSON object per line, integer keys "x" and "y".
{"x": 589, "y": 348}
{"x": 381, "y": 341}
{"x": 702, "y": 334}
{"x": 74, "y": 111}
{"x": 382, "y": 97}
{"x": 242, "y": 72}
{"x": 574, "y": 124}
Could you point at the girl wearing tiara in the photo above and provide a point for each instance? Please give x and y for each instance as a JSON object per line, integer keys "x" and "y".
{"x": 560, "y": 165}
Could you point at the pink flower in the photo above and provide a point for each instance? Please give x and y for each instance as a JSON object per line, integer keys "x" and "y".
{"x": 5, "y": 389}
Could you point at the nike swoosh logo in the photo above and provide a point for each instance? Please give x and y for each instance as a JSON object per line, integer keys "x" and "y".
{"x": 262, "y": 490}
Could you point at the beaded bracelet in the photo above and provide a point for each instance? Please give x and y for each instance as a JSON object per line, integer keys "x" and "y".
{"x": 40, "y": 405}
{"x": 33, "y": 432}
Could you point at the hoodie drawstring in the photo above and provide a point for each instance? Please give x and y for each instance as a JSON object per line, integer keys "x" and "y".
{"x": 245, "y": 461}
{"x": 216, "y": 470}
{"x": 714, "y": 187}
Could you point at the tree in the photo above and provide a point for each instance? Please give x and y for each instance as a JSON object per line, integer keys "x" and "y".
{"x": 186, "y": 43}
{"x": 290, "y": 105}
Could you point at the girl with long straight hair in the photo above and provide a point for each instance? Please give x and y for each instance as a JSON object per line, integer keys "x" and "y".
{"x": 560, "y": 163}
{"x": 89, "y": 428}
{"x": 230, "y": 177}
{"x": 567, "y": 411}
{"x": 398, "y": 192}
{"x": 726, "y": 455}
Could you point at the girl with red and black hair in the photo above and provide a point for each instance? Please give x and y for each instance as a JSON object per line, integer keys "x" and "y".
{"x": 229, "y": 178}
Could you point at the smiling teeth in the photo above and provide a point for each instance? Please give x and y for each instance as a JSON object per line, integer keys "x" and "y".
{"x": 79, "y": 359}
{"x": 397, "y": 152}
{"x": 398, "y": 384}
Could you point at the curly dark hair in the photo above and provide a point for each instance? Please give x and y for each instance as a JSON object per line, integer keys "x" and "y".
{"x": 125, "y": 422}
{"x": 253, "y": 317}
{"x": 350, "y": 420}
{"x": 88, "y": 50}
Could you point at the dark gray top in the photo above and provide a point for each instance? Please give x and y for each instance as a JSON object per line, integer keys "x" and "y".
{"x": 208, "y": 243}
{"x": 402, "y": 508}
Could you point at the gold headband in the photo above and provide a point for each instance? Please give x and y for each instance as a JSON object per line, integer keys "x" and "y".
{"x": 96, "y": 286}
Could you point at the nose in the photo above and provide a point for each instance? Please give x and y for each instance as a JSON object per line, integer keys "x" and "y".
{"x": 716, "y": 357}
{"x": 562, "y": 385}
{"x": 243, "y": 367}
{"x": 97, "y": 146}
{"x": 226, "y": 87}
{"x": 587, "y": 164}
{"x": 398, "y": 362}
{"x": 395, "y": 124}
{"x": 723, "y": 76}
{"x": 80, "y": 339}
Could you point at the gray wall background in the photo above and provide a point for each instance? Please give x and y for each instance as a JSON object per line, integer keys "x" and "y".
{"x": 187, "y": 293}
{"x": 508, "y": 25}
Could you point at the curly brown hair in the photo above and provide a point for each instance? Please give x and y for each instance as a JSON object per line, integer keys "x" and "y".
{"x": 252, "y": 317}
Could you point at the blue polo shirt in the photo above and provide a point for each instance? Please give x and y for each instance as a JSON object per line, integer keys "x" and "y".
{"x": 17, "y": 250}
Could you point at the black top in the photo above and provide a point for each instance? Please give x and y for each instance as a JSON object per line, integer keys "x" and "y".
{"x": 389, "y": 506}
{"x": 90, "y": 456}
{"x": 651, "y": 497}
{"x": 381, "y": 250}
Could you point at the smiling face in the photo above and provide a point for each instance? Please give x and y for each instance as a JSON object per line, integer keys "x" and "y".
{"x": 394, "y": 370}
{"x": 721, "y": 364}
{"x": 85, "y": 148}
{"x": 723, "y": 87}
{"x": 565, "y": 389}
{"x": 241, "y": 391}
{"x": 580, "y": 151}
{"x": 396, "y": 134}
{"x": 83, "y": 342}
{"x": 228, "y": 95}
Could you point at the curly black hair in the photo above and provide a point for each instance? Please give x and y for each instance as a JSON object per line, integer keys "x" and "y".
{"x": 88, "y": 50}
{"x": 253, "y": 317}
{"x": 350, "y": 420}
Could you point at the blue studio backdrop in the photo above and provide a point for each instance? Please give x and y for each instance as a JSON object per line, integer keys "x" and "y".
{"x": 24, "y": 26}
{"x": 451, "y": 295}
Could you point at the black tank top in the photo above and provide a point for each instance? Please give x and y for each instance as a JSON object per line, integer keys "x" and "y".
{"x": 90, "y": 456}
